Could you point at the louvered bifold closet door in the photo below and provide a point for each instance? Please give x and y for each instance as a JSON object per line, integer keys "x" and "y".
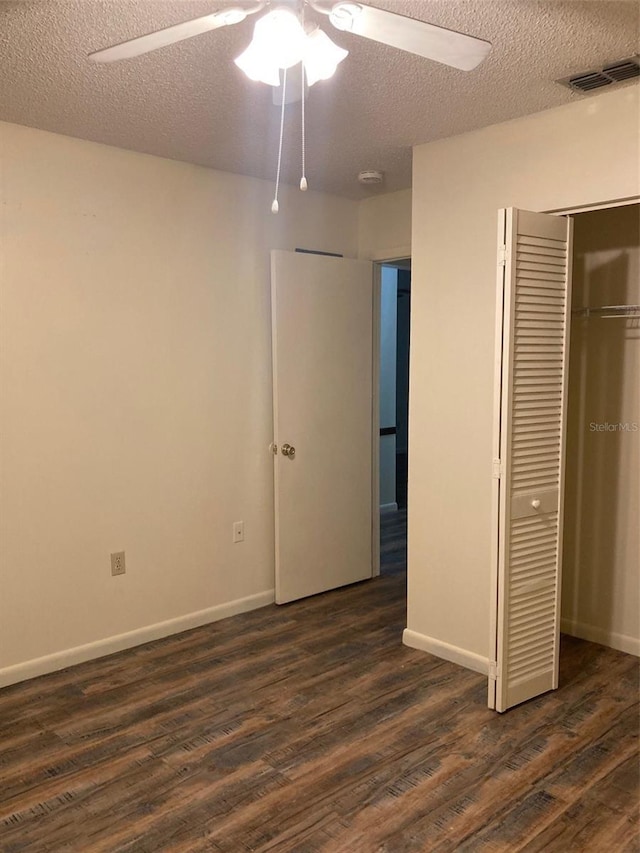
{"x": 537, "y": 280}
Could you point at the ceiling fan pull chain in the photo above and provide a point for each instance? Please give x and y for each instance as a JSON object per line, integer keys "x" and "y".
{"x": 303, "y": 179}
{"x": 274, "y": 205}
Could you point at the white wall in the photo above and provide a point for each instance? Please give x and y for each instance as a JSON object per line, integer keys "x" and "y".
{"x": 601, "y": 565}
{"x": 388, "y": 359}
{"x": 135, "y": 391}
{"x": 578, "y": 154}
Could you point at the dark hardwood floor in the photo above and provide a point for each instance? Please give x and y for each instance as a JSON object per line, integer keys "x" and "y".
{"x": 393, "y": 543}
{"x": 310, "y": 727}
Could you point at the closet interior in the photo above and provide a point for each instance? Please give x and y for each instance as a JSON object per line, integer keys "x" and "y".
{"x": 601, "y": 550}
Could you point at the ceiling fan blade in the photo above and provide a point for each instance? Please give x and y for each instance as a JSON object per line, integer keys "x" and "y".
{"x": 446, "y": 46}
{"x": 178, "y": 32}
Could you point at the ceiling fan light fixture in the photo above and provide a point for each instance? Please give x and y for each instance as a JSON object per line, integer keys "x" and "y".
{"x": 279, "y": 41}
{"x": 343, "y": 15}
{"x": 258, "y": 67}
{"x": 281, "y": 34}
{"x": 231, "y": 16}
{"x": 322, "y": 56}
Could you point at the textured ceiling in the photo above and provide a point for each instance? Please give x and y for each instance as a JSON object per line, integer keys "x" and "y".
{"x": 189, "y": 102}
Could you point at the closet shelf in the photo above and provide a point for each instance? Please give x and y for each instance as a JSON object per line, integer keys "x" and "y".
{"x": 607, "y": 312}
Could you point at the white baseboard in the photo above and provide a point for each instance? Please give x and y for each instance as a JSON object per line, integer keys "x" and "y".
{"x": 621, "y": 642}
{"x": 455, "y": 654}
{"x": 393, "y": 507}
{"x": 100, "y": 648}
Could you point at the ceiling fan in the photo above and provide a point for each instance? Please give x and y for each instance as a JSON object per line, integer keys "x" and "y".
{"x": 283, "y": 38}
{"x": 427, "y": 40}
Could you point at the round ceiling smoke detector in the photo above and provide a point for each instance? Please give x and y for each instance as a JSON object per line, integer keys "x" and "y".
{"x": 370, "y": 177}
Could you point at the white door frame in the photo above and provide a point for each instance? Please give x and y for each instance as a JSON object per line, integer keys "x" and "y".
{"x": 596, "y": 205}
{"x": 495, "y": 455}
{"x": 375, "y": 423}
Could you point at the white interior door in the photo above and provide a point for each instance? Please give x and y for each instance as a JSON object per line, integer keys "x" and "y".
{"x": 534, "y": 294}
{"x": 322, "y": 316}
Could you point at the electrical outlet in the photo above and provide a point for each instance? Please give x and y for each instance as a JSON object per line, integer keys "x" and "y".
{"x": 238, "y": 531}
{"x": 117, "y": 563}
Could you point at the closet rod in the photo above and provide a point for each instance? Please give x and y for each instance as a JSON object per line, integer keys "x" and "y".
{"x": 607, "y": 312}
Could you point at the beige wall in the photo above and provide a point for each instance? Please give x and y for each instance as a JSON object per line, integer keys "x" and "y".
{"x": 384, "y": 226}
{"x": 579, "y": 154}
{"x": 135, "y": 391}
{"x": 601, "y": 566}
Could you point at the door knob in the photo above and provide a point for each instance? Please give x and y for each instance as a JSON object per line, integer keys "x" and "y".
{"x": 288, "y": 450}
{"x": 535, "y": 503}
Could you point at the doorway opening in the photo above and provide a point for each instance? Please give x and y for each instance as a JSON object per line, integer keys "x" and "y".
{"x": 601, "y": 543}
{"x": 395, "y": 315}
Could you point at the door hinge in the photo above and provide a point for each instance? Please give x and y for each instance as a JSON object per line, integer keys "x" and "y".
{"x": 502, "y": 256}
{"x": 497, "y": 469}
{"x": 494, "y": 672}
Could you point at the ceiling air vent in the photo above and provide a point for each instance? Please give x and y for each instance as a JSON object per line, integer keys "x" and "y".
{"x": 625, "y": 70}
{"x": 617, "y": 72}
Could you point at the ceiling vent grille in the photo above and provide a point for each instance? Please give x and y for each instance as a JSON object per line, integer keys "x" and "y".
{"x": 617, "y": 72}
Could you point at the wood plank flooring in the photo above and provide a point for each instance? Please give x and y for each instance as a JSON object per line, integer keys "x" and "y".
{"x": 393, "y": 542}
{"x": 310, "y": 727}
